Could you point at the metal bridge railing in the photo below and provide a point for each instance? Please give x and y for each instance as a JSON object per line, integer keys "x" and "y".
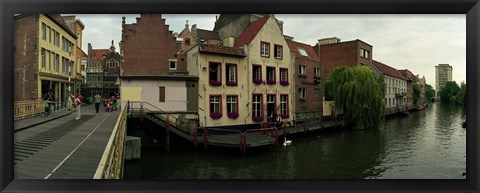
{"x": 111, "y": 164}
{"x": 28, "y": 108}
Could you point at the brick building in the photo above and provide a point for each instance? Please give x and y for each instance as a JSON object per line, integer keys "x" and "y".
{"x": 411, "y": 79}
{"x": 307, "y": 75}
{"x": 153, "y": 69}
{"x": 334, "y": 53}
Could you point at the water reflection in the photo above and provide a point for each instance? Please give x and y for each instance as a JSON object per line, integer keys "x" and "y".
{"x": 429, "y": 144}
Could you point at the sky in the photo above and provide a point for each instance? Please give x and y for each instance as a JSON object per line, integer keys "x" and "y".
{"x": 414, "y": 42}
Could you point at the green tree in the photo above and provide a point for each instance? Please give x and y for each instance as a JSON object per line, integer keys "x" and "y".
{"x": 429, "y": 91}
{"x": 416, "y": 93}
{"x": 359, "y": 94}
{"x": 448, "y": 93}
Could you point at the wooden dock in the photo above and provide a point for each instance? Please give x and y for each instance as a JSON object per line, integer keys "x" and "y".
{"x": 266, "y": 135}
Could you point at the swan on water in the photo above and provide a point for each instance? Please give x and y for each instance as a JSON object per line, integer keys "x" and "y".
{"x": 286, "y": 142}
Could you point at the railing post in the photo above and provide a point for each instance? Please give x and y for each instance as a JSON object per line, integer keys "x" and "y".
{"x": 167, "y": 134}
{"x": 205, "y": 137}
{"x": 195, "y": 137}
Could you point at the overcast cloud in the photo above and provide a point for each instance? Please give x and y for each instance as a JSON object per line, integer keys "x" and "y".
{"x": 414, "y": 42}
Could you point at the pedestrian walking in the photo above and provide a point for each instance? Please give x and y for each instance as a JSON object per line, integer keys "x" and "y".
{"x": 98, "y": 100}
{"x": 49, "y": 99}
{"x": 78, "y": 103}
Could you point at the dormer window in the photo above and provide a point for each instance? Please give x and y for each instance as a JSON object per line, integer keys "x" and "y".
{"x": 187, "y": 41}
{"x": 172, "y": 64}
{"x": 302, "y": 52}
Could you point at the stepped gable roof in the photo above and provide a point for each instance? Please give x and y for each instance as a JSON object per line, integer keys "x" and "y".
{"x": 97, "y": 53}
{"x": 294, "y": 46}
{"x": 207, "y": 35}
{"x": 250, "y": 31}
{"x": 387, "y": 70}
{"x": 223, "y": 50}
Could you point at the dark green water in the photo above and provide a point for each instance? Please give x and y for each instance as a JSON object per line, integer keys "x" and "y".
{"x": 429, "y": 144}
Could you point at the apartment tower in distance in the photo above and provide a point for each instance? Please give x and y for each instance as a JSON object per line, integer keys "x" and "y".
{"x": 443, "y": 73}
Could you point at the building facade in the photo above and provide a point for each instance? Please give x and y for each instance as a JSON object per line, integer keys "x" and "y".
{"x": 411, "y": 79}
{"x": 153, "y": 70}
{"x": 44, "y": 51}
{"x": 307, "y": 75}
{"x": 443, "y": 74}
{"x": 75, "y": 73}
{"x": 95, "y": 71}
{"x": 395, "y": 88}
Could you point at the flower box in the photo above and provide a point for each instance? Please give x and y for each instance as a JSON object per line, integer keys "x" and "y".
{"x": 233, "y": 115}
{"x": 257, "y": 119}
{"x": 232, "y": 83}
{"x": 270, "y": 82}
{"x": 284, "y": 82}
{"x": 285, "y": 116}
{"x": 258, "y": 81}
{"x": 215, "y": 115}
{"x": 215, "y": 83}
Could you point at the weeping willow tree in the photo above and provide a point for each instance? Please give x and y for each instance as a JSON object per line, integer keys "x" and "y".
{"x": 359, "y": 94}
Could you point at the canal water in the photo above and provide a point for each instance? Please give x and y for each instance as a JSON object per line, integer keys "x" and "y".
{"x": 428, "y": 144}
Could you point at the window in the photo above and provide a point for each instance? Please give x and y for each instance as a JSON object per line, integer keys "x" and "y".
{"x": 257, "y": 114}
{"x": 231, "y": 74}
{"x": 271, "y": 75}
{"x": 172, "y": 64}
{"x": 302, "y": 52}
{"x": 284, "y": 106}
{"x": 257, "y": 74}
{"x": 44, "y": 31}
{"x": 187, "y": 41}
{"x": 49, "y": 34}
{"x": 161, "y": 94}
{"x": 64, "y": 44}
{"x": 302, "y": 93}
{"x": 57, "y": 63}
{"x": 232, "y": 106}
{"x": 318, "y": 72}
{"x": 364, "y": 53}
{"x": 302, "y": 70}
{"x": 57, "y": 38}
{"x": 214, "y": 74}
{"x": 50, "y": 59}
{"x": 215, "y": 104}
{"x": 283, "y": 76}
{"x": 44, "y": 62}
{"x": 278, "y": 51}
{"x": 264, "y": 49}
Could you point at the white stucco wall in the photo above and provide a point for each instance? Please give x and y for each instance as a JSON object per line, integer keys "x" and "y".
{"x": 175, "y": 93}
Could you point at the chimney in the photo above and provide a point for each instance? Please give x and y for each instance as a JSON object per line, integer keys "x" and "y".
{"x": 123, "y": 20}
{"x": 229, "y": 41}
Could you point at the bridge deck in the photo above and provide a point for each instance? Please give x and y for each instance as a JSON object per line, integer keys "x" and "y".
{"x": 63, "y": 147}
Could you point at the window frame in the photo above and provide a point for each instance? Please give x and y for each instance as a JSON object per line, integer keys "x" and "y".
{"x": 233, "y": 114}
{"x": 44, "y": 31}
{"x": 287, "y": 114}
{"x": 160, "y": 88}
{"x": 283, "y": 82}
{"x": 300, "y": 67}
{"x": 270, "y": 69}
{"x": 317, "y": 74}
{"x": 217, "y": 82}
{"x": 212, "y": 114}
{"x": 254, "y": 73}
{"x": 276, "y": 48}
{"x": 260, "y": 104}
{"x": 228, "y": 73}
{"x": 170, "y": 64}
{"x": 302, "y": 94}
{"x": 267, "y": 54}
{"x": 43, "y": 53}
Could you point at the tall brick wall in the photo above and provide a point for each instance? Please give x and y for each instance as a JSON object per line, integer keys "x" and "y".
{"x": 148, "y": 45}
{"x": 313, "y": 101}
{"x": 26, "y": 53}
